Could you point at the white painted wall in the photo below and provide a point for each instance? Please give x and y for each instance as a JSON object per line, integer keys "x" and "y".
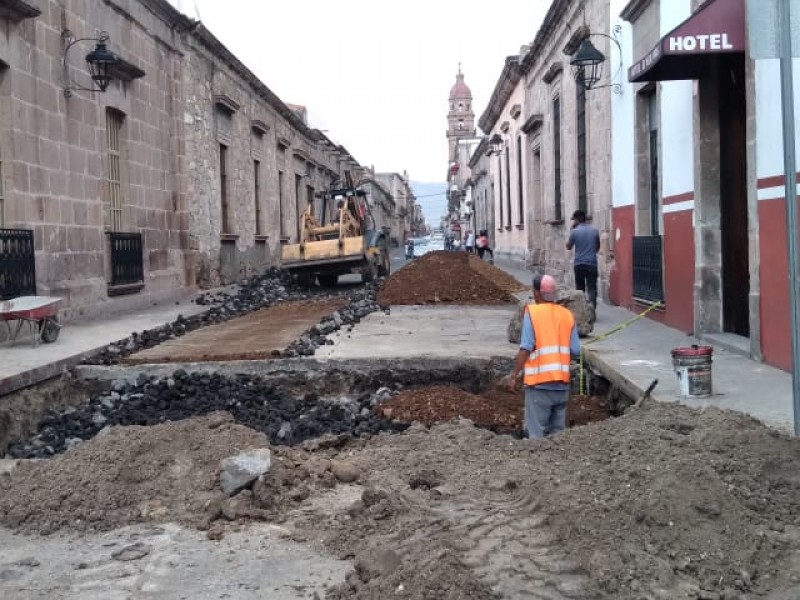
{"x": 623, "y": 159}
{"x": 769, "y": 122}
{"x": 677, "y": 115}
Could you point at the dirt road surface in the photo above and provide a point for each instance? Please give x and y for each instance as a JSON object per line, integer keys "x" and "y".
{"x": 665, "y": 502}
{"x": 258, "y": 335}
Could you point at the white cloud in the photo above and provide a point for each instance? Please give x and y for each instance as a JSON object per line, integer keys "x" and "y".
{"x": 376, "y": 74}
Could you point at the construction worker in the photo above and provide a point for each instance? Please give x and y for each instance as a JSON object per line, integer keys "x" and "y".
{"x": 549, "y": 337}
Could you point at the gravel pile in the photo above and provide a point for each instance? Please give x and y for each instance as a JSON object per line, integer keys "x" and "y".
{"x": 253, "y": 401}
{"x": 273, "y": 287}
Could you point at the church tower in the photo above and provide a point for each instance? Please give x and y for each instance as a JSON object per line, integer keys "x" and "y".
{"x": 460, "y": 118}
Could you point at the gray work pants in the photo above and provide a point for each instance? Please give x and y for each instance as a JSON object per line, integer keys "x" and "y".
{"x": 545, "y": 411}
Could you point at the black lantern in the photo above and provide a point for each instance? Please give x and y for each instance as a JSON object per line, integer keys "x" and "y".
{"x": 100, "y": 63}
{"x": 496, "y": 143}
{"x": 587, "y": 64}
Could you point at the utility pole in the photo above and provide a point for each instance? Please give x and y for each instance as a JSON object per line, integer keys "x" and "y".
{"x": 790, "y": 172}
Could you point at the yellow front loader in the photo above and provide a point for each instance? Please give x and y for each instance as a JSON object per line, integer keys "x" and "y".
{"x": 346, "y": 244}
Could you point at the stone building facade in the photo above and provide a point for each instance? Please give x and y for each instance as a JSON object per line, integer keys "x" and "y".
{"x": 502, "y": 123}
{"x": 255, "y": 165}
{"x": 399, "y": 187}
{"x": 85, "y": 173}
{"x": 568, "y": 136}
{"x": 481, "y": 190}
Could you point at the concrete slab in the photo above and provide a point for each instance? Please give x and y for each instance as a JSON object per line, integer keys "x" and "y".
{"x": 640, "y": 353}
{"x": 253, "y": 336}
{"x": 413, "y": 331}
{"x": 21, "y": 365}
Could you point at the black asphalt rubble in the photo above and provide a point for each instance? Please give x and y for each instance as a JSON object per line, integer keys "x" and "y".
{"x": 283, "y": 417}
{"x": 273, "y": 287}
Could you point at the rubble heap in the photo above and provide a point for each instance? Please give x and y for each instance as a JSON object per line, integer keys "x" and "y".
{"x": 447, "y": 278}
{"x": 284, "y": 418}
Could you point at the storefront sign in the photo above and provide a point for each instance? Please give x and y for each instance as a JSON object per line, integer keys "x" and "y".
{"x": 718, "y": 27}
{"x": 703, "y": 43}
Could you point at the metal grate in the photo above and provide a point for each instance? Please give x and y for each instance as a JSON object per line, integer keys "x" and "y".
{"x": 127, "y": 265}
{"x": 648, "y": 268}
{"x": 17, "y": 263}
{"x": 114, "y": 121}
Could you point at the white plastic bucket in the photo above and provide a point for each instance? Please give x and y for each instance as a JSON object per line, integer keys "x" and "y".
{"x": 693, "y": 370}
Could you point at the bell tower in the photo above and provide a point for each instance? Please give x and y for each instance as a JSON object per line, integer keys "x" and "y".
{"x": 460, "y": 118}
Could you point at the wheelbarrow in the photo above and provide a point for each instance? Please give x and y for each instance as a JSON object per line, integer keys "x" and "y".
{"x": 39, "y": 312}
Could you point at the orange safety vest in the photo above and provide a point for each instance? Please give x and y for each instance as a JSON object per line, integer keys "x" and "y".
{"x": 552, "y": 330}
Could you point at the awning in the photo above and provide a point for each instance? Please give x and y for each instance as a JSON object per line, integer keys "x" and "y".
{"x": 689, "y": 50}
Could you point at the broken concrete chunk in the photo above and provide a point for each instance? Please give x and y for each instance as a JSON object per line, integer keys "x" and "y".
{"x": 237, "y": 472}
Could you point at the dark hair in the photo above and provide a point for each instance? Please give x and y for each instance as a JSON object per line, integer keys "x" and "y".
{"x": 537, "y": 282}
{"x": 579, "y": 215}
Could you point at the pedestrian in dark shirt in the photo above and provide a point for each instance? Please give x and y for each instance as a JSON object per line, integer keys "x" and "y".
{"x": 586, "y": 240}
{"x": 482, "y": 244}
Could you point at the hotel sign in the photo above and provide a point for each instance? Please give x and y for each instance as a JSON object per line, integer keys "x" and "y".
{"x": 717, "y": 28}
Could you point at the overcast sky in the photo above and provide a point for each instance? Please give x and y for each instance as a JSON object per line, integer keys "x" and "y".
{"x": 376, "y": 73}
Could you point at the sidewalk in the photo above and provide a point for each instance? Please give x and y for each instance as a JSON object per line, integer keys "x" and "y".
{"x": 22, "y": 365}
{"x": 640, "y": 353}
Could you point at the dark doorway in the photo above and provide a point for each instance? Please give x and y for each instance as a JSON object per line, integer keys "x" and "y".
{"x": 733, "y": 197}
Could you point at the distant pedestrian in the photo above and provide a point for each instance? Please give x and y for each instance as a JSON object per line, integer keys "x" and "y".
{"x": 548, "y": 339}
{"x": 586, "y": 240}
{"x": 470, "y": 243}
{"x": 483, "y": 245}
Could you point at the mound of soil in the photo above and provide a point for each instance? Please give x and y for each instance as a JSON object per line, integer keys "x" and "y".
{"x": 664, "y": 502}
{"x": 500, "y": 278}
{"x": 445, "y": 278}
{"x": 496, "y": 408}
{"x": 131, "y": 474}
{"x": 435, "y": 404}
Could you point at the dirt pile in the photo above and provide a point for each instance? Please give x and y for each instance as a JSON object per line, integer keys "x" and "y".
{"x": 665, "y": 502}
{"x": 131, "y": 474}
{"x": 500, "y": 278}
{"x": 496, "y": 408}
{"x": 447, "y": 278}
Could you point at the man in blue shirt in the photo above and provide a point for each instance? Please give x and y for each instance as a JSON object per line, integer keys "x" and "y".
{"x": 586, "y": 240}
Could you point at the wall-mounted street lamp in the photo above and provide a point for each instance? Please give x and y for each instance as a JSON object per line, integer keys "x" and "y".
{"x": 587, "y": 63}
{"x": 496, "y": 143}
{"x": 101, "y": 63}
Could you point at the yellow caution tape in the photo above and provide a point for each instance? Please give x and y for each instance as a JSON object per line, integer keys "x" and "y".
{"x": 609, "y": 333}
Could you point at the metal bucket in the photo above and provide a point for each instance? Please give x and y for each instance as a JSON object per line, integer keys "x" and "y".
{"x": 693, "y": 369}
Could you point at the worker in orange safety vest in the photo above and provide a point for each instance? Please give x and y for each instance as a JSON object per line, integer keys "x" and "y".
{"x": 548, "y": 340}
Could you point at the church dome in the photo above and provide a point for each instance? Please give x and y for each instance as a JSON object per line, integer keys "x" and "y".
{"x": 460, "y": 90}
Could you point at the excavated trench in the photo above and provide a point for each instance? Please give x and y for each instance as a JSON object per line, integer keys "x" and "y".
{"x": 293, "y": 400}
